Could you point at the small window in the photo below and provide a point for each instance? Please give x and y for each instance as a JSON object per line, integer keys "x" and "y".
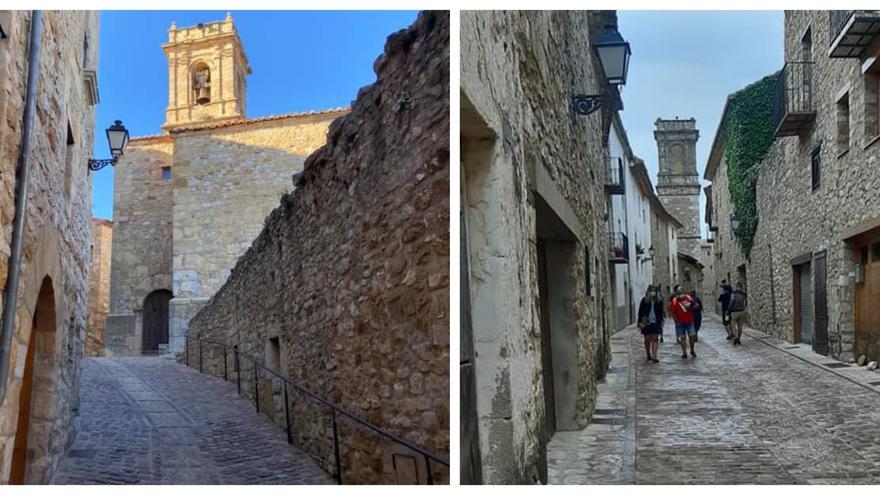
{"x": 587, "y": 280}
{"x": 815, "y": 165}
{"x": 85, "y": 51}
{"x": 69, "y": 171}
{"x": 875, "y": 252}
{"x": 864, "y": 256}
{"x": 843, "y": 124}
{"x": 872, "y": 100}
{"x": 166, "y": 174}
{"x": 273, "y": 354}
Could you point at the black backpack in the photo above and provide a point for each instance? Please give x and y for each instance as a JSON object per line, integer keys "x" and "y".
{"x": 737, "y": 302}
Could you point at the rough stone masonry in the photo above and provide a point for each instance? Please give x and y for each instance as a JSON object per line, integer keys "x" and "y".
{"x": 37, "y": 421}
{"x": 346, "y": 288}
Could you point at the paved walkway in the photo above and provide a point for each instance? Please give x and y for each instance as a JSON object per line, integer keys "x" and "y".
{"x": 149, "y": 420}
{"x": 760, "y": 413}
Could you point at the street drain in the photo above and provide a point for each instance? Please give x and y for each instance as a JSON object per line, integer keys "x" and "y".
{"x": 874, "y": 383}
{"x": 836, "y": 365}
{"x": 793, "y": 347}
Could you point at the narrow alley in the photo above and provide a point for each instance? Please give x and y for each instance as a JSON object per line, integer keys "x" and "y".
{"x": 149, "y": 420}
{"x": 766, "y": 412}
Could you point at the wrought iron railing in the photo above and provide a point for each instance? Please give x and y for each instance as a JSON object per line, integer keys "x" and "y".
{"x": 619, "y": 246}
{"x": 838, "y": 19}
{"x": 335, "y": 410}
{"x": 793, "y": 93}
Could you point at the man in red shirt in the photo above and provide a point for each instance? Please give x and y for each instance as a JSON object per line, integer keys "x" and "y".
{"x": 681, "y": 306}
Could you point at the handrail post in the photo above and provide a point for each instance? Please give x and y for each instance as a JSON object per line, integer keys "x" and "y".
{"x": 287, "y": 414}
{"x": 186, "y": 339}
{"x": 200, "y": 354}
{"x": 428, "y": 469}
{"x": 237, "y": 368}
{"x": 336, "y": 449}
{"x": 256, "y": 387}
{"x": 225, "y": 357}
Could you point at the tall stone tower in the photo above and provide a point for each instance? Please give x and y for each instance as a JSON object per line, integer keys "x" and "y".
{"x": 678, "y": 184}
{"x": 206, "y": 74}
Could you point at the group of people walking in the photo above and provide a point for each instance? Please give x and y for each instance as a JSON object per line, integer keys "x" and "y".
{"x": 687, "y": 313}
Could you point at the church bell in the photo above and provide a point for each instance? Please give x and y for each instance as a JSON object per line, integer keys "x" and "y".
{"x": 203, "y": 97}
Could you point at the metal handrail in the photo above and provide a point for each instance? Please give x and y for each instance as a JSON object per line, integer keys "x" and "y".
{"x": 335, "y": 408}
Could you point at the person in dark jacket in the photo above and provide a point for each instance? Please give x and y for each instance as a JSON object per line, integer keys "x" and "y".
{"x": 724, "y": 299}
{"x": 698, "y": 312}
{"x": 650, "y": 321}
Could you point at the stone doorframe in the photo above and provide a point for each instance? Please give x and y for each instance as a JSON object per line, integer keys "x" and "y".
{"x": 44, "y": 265}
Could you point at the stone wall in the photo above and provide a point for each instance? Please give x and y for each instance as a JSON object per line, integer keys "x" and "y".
{"x": 226, "y": 180}
{"x": 532, "y": 176}
{"x": 729, "y": 258}
{"x": 794, "y": 220}
{"x": 53, "y": 288}
{"x": 346, "y": 288}
{"x": 99, "y": 285}
{"x": 141, "y": 255}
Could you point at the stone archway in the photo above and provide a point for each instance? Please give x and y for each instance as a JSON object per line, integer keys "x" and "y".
{"x": 155, "y": 322}
{"x": 37, "y": 398}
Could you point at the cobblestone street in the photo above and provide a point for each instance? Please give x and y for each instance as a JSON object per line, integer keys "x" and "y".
{"x": 149, "y": 420}
{"x": 761, "y": 413}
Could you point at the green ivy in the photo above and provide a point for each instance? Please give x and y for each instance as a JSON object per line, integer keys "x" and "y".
{"x": 748, "y": 135}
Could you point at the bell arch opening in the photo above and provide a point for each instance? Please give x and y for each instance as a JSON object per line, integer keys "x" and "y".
{"x": 201, "y": 83}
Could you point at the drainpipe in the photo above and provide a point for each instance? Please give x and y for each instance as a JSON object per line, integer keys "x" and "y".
{"x": 10, "y": 296}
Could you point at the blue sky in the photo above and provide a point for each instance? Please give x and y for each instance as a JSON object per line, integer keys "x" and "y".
{"x": 686, "y": 63}
{"x": 301, "y": 61}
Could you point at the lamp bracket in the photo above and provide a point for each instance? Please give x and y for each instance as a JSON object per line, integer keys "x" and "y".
{"x": 99, "y": 164}
{"x": 587, "y": 104}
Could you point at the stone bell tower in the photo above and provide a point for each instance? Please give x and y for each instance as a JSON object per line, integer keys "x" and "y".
{"x": 206, "y": 74}
{"x": 678, "y": 184}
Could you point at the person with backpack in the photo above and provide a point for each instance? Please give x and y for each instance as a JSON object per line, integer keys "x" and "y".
{"x": 737, "y": 308}
{"x": 681, "y": 307}
{"x": 724, "y": 299}
{"x": 698, "y": 314}
{"x": 651, "y": 321}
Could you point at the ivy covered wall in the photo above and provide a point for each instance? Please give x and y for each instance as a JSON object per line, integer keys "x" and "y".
{"x": 748, "y": 135}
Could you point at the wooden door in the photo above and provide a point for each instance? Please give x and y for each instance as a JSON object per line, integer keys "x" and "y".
{"x": 155, "y": 321}
{"x": 802, "y": 310}
{"x": 867, "y": 309}
{"x": 22, "y": 430}
{"x": 820, "y": 319}
{"x": 546, "y": 348}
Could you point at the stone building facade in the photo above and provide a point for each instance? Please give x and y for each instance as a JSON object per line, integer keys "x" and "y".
{"x": 678, "y": 186}
{"x": 536, "y": 300}
{"x": 99, "y": 285}
{"x": 818, "y": 235}
{"x": 188, "y": 203}
{"x": 346, "y": 287}
{"x": 665, "y": 243}
{"x": 41, "y": 396}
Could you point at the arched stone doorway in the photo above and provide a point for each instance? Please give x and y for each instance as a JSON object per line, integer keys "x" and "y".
{"x": 37, "y": 407}
{"x": 155, "y": 321}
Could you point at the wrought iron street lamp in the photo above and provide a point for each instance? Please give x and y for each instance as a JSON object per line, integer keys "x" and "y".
{"x": 614, "y": 53}
{"x": 117, "y": 138}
